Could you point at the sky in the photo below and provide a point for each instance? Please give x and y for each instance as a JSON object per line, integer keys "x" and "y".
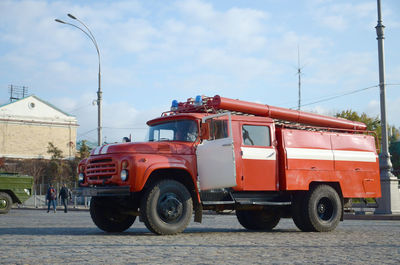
{"x": 153, "y": 52}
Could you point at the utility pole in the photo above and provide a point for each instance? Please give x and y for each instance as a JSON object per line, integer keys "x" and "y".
{"x": 389, "y": 203}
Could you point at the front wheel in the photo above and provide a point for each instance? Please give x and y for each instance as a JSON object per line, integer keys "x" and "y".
{"x": 258, "y": 219}
{"x": 5, "y": 203}
{"x": 166, "y": 207}
{"x": 107, "y": 216}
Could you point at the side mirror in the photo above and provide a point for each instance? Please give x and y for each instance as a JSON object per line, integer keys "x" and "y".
{"x": 126, "y": 140}
{"x": 205, "y": 131}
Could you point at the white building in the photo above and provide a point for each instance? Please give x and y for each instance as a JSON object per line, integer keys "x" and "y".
{"x": 29, "y": 124}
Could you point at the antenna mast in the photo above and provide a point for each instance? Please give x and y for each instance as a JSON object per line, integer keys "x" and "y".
{"x": 17, "y": 92}
{"x": 299, "y": 74}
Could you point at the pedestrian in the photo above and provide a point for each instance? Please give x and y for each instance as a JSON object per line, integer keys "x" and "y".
{"x": 64, "y": 195}
{"x": 51, "y": 196}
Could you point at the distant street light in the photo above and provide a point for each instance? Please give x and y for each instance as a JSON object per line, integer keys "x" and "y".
{"x": 99, "y": 93}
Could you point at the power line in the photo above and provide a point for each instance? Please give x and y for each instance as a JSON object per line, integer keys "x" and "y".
{"x": 82, "y": 134}
{"x": 132, "y": 128}
{"x": 338, "y": 96}
{"x": 78, "y": 108}
{"x": 341, "y": 95}
{"x": 114, "y": 128}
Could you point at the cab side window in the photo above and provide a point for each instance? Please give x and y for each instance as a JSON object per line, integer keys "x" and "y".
{"x": 256, "y": 135}
{"x": 218, "y": 129}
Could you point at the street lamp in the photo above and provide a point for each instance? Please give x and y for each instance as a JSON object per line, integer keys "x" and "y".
{"x": 390, "y": 201}
{"x": 89, "y": 34}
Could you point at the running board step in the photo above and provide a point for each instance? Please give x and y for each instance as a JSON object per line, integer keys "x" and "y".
{"x": 264, "y": 203}
{"x": 217, "y": 195}
{"x": 261, "y": 198}
{"x": 218, "y": 202}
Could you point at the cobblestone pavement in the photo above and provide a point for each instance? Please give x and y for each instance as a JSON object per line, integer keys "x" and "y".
{"x": 37, "y": 237}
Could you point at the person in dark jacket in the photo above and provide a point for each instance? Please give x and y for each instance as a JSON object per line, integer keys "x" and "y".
{"x": 51, "y": 196}
{"x": 64, "y": 196}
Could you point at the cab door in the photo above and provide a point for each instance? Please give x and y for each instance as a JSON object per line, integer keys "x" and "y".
{"x": 215, "y": 156}
{"x": 258, "y": 157}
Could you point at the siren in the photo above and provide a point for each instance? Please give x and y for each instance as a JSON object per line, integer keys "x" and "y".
{"x": 198, "y": 101}
{"x": 174, "y": 105}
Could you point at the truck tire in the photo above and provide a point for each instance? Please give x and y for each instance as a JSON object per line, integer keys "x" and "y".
{"x": 5, "y": 203}
{"x": 298, "y": 212}
{"x": 166, "y": 207}
{"x": 258, "y": 219}
{"x": 323, "y": 209}
{"x": 107, "y": 216}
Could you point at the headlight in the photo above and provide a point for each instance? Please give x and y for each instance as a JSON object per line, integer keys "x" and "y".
{"x": 81, "y": 177}
{"x": 124, "y": 175}
{"x": 27, "y": 192}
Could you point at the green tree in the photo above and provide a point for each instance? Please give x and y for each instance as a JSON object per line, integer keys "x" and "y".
{"x": 55, "y": 168}
{"x": 84, "y": 150}
{"x": 373, "y": 123}
{"x": 54, "y": 151}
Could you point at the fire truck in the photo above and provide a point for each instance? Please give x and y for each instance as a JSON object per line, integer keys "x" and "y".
{"x": 214, "y": 153}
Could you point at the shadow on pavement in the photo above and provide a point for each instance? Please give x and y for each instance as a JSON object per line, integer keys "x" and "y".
{"x": 80, "y": 231}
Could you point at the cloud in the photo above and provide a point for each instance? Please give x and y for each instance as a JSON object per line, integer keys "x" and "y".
{"x": 348, "y": 67}
{"x": 119, "y": 118}
{"x": 242, "y": 29}
{"x": 339, "y": 16}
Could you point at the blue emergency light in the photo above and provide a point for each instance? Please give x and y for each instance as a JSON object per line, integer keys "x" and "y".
{"x": 198, "y": 101}
{"x": 174, "y": 105}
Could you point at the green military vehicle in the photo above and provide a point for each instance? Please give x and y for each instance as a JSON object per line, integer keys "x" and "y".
{"x": 14, "y": 188}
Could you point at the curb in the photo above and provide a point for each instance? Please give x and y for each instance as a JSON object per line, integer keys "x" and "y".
{"x": 45, "y": 209}
{"x": 375, "y": 217}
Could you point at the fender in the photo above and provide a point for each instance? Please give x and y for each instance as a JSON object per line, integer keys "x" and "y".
{"x": 167, "y": 166}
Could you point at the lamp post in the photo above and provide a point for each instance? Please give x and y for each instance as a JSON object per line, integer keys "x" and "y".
{"x": 390, "y": 201}
{"x": 89, "y": 34}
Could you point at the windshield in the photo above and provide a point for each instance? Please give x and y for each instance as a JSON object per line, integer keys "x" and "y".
{"x": 178, "y": 130}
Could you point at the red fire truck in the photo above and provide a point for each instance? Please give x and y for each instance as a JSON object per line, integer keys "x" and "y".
{"x": 215, "y": 153}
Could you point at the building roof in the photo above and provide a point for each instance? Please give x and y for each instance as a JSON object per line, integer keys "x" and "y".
{"x": 32, "y": 108}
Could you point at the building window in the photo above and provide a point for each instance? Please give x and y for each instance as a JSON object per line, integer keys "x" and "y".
{"x": 31, "y": 105}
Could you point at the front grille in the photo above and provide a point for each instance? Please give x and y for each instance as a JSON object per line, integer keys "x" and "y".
{"x": 99, "y": 169}
{"x": 99, "y": 177}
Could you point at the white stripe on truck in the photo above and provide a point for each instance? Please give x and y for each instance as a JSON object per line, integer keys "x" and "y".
{"x": 337, "y": 155}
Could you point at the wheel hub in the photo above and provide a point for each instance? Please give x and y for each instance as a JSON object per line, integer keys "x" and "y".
{"x": 3, "y": 203}
{"x": 170, "y": 207}
{"x": 321, "y": 208}
{"x": 325, "y": 209}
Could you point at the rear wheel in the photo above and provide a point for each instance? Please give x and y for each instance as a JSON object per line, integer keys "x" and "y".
{"x": 258, "y": 219}
{"x": 324, "y": 209}
{"x": 166, "y": 207}
{"x": 319, "y": 210}
{"x": 107, "y": 215}
{"x": 5, "y": 203}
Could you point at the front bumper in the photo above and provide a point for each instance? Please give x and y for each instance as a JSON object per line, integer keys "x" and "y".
{"x": 102, "y": 191}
